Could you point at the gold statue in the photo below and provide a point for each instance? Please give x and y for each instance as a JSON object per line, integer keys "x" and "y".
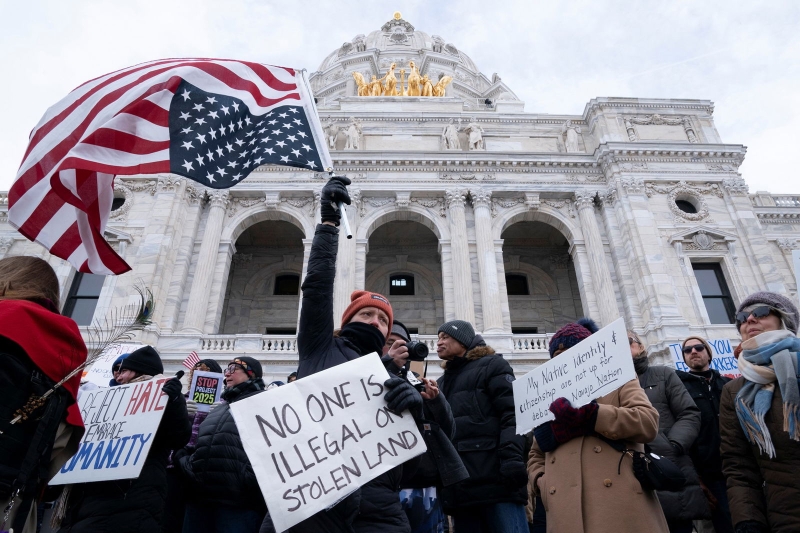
{"x": 375, "y": 86}
{"x": 426, "y": 86}
{"x": 363, "y": 86}
{"x": 402, "y": 90}
{"x": 439, "y": 88}
{"x": 397, "y": 15}
{"x": 414, "y": 80}
{"x": 390, "y": 83}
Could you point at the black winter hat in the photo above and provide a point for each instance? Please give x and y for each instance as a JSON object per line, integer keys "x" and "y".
{"x": 145, "y": 361}
{"x": 460, "y": 330}
{"x": 249, "y": 365}
{"x": 212, "y": 365}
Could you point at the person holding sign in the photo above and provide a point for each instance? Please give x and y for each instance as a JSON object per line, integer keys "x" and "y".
{"x": 38, "y": 348}
{"x": 222, "y": 493}
{"x": 759, "y": 418}
{"x": 133, "y": 505}
{"x": 365, "y": 325}
{"x": 583, "y": 482}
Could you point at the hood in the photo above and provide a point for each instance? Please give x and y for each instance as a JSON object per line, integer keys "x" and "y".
{"x": 478, "y": 352}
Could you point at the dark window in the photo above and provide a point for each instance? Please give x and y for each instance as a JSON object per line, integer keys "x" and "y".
{"x": 716, "y": 295}
{"x": 524, "y": 331}
{"x": 116, "y": 203}
{"x": 517, "y": 285}
{"x": 280, "y": 331}
{"x": 401, "y": 285}
{"x": 413, "y": 331}
{"x": 83, "y": 296}
{"x": 686, "y": 206}
{"x": 287, "y": 285}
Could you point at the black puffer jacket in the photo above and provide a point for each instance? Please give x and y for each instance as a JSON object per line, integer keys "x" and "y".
{"x": 218, "y": 470}
{"x": 478, "y": 388}
{"x": 706, "y": 393}
{"x": 131, "y": 505}
{"x": 679, "y": 422}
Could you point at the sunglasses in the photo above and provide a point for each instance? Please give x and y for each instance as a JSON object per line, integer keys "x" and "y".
{"x": 631, "y": 340}
{"x": 696, "y": 347}
{"x": 758, "y": 312}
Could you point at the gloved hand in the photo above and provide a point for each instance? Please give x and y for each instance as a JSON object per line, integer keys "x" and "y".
{"x": 545, "y": 437}
{"x": 571, "y": 422}
{"x": 191, "y": 408}
{"x": 214, "y": 406}
{"x": 513, "y": 472}
{"x": 333, "y": 192}
{"x": 401, "y": 396}
{"x": 172, "y": 388}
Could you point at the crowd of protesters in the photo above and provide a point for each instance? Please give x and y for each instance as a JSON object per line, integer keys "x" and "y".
{"x": 736, "y": 442}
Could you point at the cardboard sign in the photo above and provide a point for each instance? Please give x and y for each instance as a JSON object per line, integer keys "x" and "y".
{"x": 121, "y": 423}
{"x": 592, "y": 368}
{"x": 206, "y": 389}
{"x": 100, "y": 371}
{"x": 316, "y": 440}
{"x": 722, "y": 361}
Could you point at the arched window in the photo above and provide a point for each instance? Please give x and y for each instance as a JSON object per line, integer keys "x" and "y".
{"x": 401, "y": 285}
{"x": 287, "y": 285}
{"x": 686, "y": 206}
{"x": 517, "y": 285}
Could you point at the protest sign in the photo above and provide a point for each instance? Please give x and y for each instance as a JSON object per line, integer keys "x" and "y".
{"x": 120, "y": 425}
{"x": 316, "y": 440}
{"x": 205, "y": 389}
{"x": 722, "y": 361}
{"x": 100, "y": 371}
{"x": 592, "y": 368}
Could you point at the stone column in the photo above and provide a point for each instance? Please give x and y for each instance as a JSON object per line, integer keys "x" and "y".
{"x": 206, "y": 263}
{"x": 345, "y": 281}
{"x": 601, "y": 277}
{"x": 462, "y": 273}
{"x": 487, "y": 263}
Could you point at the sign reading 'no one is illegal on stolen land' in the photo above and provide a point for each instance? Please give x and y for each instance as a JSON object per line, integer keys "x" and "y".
{"x": 592, "y": 368}
{"x": 314, "y": 441}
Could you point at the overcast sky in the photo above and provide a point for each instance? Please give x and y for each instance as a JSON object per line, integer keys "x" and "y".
{"x": 555, "y": 56}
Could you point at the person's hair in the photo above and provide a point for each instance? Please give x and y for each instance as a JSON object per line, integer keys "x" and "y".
{"x": 28, "y": 278}
{"x": 637, "y": 339}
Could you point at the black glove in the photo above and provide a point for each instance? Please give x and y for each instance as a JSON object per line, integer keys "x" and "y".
{"x": 333, "y": 192}
{"x": 401, "y": 396}
{"x": 180, "y": 453}
{"x": 172, "y": 388}
{"x": 750, "y": 526}
{"x": 513, "y": 472}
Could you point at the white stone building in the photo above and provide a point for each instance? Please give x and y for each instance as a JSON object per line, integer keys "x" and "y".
{"x": 466, "y": 207}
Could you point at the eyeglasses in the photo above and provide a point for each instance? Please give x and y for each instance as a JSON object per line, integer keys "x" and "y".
{"x": 758, "y": 312}
{"x": 631, "y": 340}
{"x": 232, "y": 368}
{"x": 696, "y": 347}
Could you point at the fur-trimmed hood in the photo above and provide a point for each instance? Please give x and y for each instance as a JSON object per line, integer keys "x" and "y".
{"x": 478, "y": 352}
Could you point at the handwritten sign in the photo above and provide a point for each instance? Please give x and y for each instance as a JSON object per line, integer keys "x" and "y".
{"x": 592, "y": 368}
{"x": 100, "y": 372}
{"x": 206, "y": 389}
{"x": 722, "y": 361}
{"x": 120, "y": 425}
{"x": 316, "y": 440}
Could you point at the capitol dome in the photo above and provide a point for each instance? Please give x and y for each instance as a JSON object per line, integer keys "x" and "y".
{"x": 399, "y": 42}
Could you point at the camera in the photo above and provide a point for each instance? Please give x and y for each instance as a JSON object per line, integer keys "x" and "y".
{"x": 417, "y": 351}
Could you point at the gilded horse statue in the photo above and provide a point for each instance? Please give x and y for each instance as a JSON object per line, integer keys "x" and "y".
{"x": 390, "y": 83}
{"x": 363, "y": 86}
{"x": 414, "y": 80}
{"x": 439, "y": 88}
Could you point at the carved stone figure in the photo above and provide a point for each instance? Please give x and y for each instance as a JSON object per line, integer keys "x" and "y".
{"x": 353, "y": 134}
{"x": 475, "y": 133}
{"x": 360, "y": 43}
{"x": 437, "y": 44}
{"x": 426, "y": 86}
{"x": 414, "y": 80}
{"x": 689, "y": 129}
{"x": 570, "y": 135}
{"x": 450, "y": 137}
{"x": 363, "y": 86}
{"x": 331, "y": 131}
{"x": 390, "y": 82}
{"x": 630, "y": 130}
{"x": 439, "y": 88}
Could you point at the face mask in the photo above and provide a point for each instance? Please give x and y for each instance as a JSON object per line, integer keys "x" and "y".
{"x": 367, "y": 338}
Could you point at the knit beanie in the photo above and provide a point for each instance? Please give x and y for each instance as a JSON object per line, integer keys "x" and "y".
{"x": 460, "y": 330}
{"x": 703, "y": 341}
{"x": 251, "y": 367}
{"x": 778, "y": 301}
{"x": 400, "y": 329}
{"x": 118, "y": 362}
{"x": 362, "y": 299}
{"x": 571, "y": 334}
{"x": 212, "y": 365}
{"x": 144, "y": 361}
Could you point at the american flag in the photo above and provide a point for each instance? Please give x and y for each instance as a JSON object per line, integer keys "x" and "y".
{"x": 192, "y": 360}
{"x": 211, "y": 120}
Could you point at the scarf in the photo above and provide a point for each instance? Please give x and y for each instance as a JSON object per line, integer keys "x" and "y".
{"x": 366, "y": 338}
{"x": 766, "y": 358}
{"x": 641, "y": 364}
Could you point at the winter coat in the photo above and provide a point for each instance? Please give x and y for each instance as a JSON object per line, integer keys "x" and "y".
{"x": 217, "y": 470}
{"x": 131, "y": 505}
{"x": 759, "y": 488}
{"x": 679, "y": 422}
{"x": 706, "y": 394}
{"x": 317, "y": 348}
{"x": 583, "y": 485}
{"x": 478, "y": 388}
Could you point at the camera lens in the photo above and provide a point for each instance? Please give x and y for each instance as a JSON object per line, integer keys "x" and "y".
{"x": 417, "y": 351}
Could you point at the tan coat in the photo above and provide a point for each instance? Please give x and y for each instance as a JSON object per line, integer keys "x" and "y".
{"x": 579, "y": 484}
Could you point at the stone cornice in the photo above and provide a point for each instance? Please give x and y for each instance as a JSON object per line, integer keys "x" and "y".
{"x": 599, "y": 105}
{"x": 481, "y": 116}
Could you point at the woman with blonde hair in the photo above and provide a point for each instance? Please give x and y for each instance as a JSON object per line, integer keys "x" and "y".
{"x": 38, "y": 348}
